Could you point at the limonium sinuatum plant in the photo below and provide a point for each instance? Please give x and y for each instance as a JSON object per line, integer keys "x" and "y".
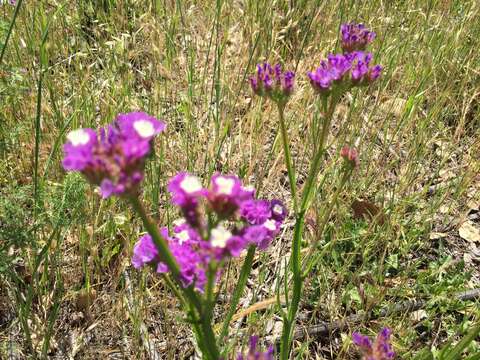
{"x": 336, "y": 75}
{"x": 218, "y": 222}
{"x": 355, "y": 37}
{"x": 113, "y": 157}
{"x": 254, "y": 353}
{"x": 379, "y": 349}
{"x": 272, "y": 82}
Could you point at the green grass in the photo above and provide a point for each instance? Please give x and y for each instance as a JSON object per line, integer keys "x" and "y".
{"x": 65, "y": 253}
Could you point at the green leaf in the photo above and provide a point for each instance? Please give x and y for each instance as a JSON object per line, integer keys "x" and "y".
{"x": 456, "y": 352}
{"x": 424, "y": 354}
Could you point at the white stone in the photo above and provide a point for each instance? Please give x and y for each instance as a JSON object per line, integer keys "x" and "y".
{"x": 225, "y": 185}
{"x": 220, "y": 236}
{"x": 78, "y": 137}
{"x": 190, "y": 184}
{"x": 144, "y": 128}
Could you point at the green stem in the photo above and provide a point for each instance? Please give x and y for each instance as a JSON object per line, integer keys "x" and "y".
{"x": 237, "y": 293}
{"x": 171, "y": 285}
{"x": 10, "y": 28}
{"x": 164, "y": 252}
{"x": 208, "y": 337}
{"x": 314, "y": 167}
{"x": 200, "y": 312}
{"x": 289, "y": 322}
{"x": 295, "y": 260}
{"x": 288, "y": 158}
{"x": 307, "y": 266}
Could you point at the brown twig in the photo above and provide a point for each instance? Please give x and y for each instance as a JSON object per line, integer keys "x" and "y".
{"x": 326, "y": 328}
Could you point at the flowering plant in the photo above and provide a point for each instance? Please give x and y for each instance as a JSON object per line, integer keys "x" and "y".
{"x": 218, "y": 222}
{"x": 335, "y": 75}
{"x": 380, "y": 349}
{"x": 201, "y": 241}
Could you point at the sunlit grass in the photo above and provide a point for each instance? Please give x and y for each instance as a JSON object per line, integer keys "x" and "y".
{"x": 78, "y": 64}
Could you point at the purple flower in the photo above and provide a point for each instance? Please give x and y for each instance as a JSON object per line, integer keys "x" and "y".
{"x": 144, "y": 252}
{"x": 363, "y": 73}
{"x": 79, "y": 149}
{"x": 380, "y": 349}
{"x": 340, "y": 72}
{"x": 355, "y": 37}
{"x": 226, "y": 194}
{"x": 273, "y": 82}
{"x": 256, "y": 354}
{"x": 139, "y": 124}
{"x": 113, "y": 159}
{"x": 184, "y": 245}
{"x": 330, "y": 72}
{"x": 218, "y": 223}
{"x": 259, "y": 235}
{"x": 235, "y": 245}
{"x": 186, "y": 189}
{"x": 279, "y": 211}
{"x": 255, "y": 211}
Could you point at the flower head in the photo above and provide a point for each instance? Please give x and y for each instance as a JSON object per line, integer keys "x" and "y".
{"x": 273, "y": 82}
{"x": 363, "y": 72}
{"x": 256, "y": 211}
{"x": 330, "y": 72}
{"x": 219, "y": 222}
{"x": 114, "y": 158}
{"x": 186, "y": 190}
{"x": 342, "y": 71}
{"x": 226, "y": 194}
{"x": 355, "y": 37}
{"x": 256, "y": 354}
{"x": 350, "y": 155}
{"x": 139, "y": 125}
{"x": 279, "y": 211}
{"x": 380, "y": 349}
{"x": 144, "y": 252}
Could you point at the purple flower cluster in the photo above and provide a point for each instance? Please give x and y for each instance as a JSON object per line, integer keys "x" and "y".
{"x": 254, "y": 354}
{"x": 380, "y": 349}
{"x": 273, "y": 82}
{"x": 355, "y": 37}
{"x": 218, "y": 222}
{"x": 113, "y": 158}
{"x": 342, "y": 71}
{"x": 339, "y": 72}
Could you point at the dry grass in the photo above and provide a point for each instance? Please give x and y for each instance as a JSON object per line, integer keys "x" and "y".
{"x": 187, "y": 62}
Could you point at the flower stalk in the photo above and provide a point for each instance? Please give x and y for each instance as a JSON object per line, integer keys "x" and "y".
{"x": 200, "y": 309}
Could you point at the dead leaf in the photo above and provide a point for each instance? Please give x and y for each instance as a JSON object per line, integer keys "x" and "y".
{"x": 437, "y": 235}
{"x": 468, "y": 231}
{"x": 363, "y": 209}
